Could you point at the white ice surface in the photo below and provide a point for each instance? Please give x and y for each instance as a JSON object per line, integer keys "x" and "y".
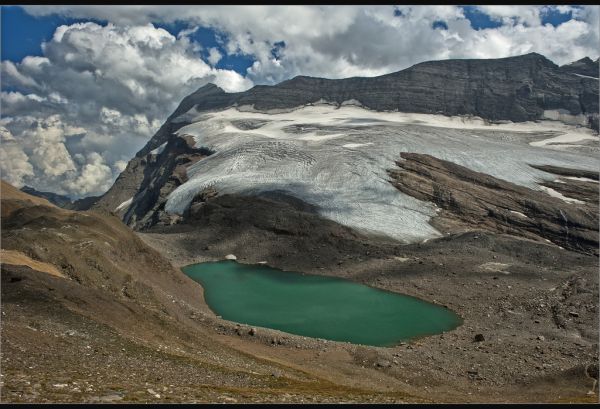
{"x": 586, "y": 76}
{"x": 336, "y": 159}
{"x": 355, "y": 145}
{"x": 125, "y": 204}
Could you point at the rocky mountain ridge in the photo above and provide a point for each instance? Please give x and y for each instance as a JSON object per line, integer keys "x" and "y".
{"x": 515, "y": 88}
{"x": 523, "y": 88}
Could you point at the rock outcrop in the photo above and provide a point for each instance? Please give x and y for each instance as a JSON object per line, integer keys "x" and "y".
{"x": 473, "y": 200}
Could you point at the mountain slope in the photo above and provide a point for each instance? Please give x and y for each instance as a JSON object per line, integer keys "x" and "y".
{"x": 15, "y": 199}
{"x": 90, "y": 313}
{"x": 63, "y": 201}
{"x": 523, "y": 88}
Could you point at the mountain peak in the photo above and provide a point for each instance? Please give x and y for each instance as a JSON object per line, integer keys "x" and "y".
{"x": 535, "y": 57}
{"x": 209, "y": 87}
{"x": 534, "y": 54}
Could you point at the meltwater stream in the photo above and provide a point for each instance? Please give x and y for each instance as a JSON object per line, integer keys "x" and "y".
{"x": 317, "y": 306}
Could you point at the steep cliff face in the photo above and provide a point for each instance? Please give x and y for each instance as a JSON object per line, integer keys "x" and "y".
{"x": 516, "y": 89}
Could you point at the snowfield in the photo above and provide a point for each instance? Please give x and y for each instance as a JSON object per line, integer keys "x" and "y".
{"x": 336, "y": 158}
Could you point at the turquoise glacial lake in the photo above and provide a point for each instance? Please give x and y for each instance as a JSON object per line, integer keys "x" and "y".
{"x": 317, "y": 306}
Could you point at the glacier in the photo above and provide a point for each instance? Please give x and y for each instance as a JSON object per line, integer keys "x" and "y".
{"x": 335, "y": 157}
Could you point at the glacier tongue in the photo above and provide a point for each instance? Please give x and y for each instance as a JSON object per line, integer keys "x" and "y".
{"x": 306, "y": 153}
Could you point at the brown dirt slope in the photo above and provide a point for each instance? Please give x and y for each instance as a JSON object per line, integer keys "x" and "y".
{"x": 126, "y": 326}
{"x": 17, "y": 197}
{"x": 19, "y": 259}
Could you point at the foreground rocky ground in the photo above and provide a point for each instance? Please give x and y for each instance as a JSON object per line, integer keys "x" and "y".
{"x": 534, "y": 304}
{"x": 145, "y": 334}
{"x": 119, "y": 324}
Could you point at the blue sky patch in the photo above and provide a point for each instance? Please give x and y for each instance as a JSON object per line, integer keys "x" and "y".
{"x": 237, "y": 62}
{"x": 276, "y": 50}
{"x": 440, "y": 24}
{"x": 478, "y": 19}
{"x": 23, "y": 34}
{"x": 551, "y": 15}
{"x": 210, "y": 38}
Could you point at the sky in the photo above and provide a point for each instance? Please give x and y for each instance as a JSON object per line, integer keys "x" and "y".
{"x": 83, "y": 88}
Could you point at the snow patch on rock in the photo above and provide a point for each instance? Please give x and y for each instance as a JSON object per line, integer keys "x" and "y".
{"x": 519, "y": 214}
{"x": 580, "y": 179}
{"x": 559, "y": 195}
{"x": 586, "y": 76}
{"x": 159, "y": 150}
{"x": 124, "y": 205}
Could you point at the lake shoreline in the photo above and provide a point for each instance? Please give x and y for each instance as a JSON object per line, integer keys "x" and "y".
{"x": 317, "y": 306}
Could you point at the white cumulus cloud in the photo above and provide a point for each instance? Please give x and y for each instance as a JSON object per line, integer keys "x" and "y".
{"x": 98, "y": 93}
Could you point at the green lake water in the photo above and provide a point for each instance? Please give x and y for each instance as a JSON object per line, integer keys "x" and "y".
{"x": 317, "y": 306}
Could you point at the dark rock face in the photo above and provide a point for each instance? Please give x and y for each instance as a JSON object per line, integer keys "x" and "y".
{"x": 125, "y": 187}
{"x": 162, "y": 174}
{"x": 516, "y": 89}
{"x": 585, "y": 66}
{"x": 557, "y": 170}
{"x": 475, "y": 200}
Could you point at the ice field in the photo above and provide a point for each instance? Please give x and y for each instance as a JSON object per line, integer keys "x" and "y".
{"x": 336, "y": 158}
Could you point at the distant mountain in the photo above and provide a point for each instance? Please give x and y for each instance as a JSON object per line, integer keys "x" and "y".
{"x": 54, "y": 198}
{"x": 518, "y": 89}
{"x": 62, "y": 201}
{"x": 84, "y": 203}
